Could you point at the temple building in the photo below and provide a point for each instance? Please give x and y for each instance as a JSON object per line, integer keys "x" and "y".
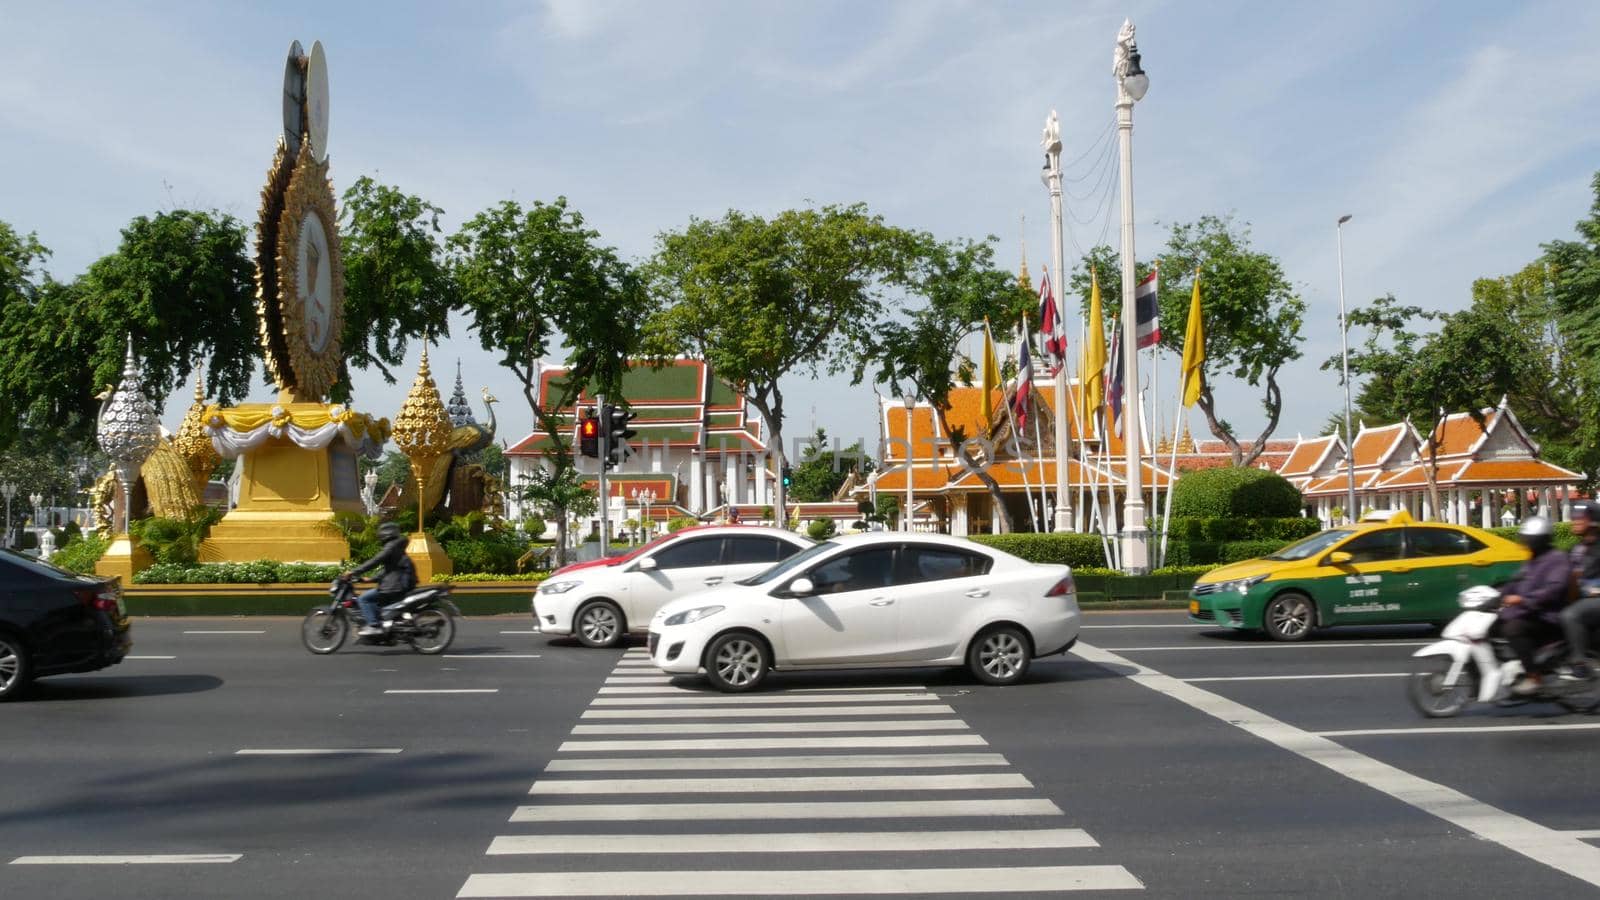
{"x": 1486, "y": 473}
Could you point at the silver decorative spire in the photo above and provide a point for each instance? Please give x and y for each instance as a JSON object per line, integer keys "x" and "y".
{"x": 128, "y": 430}
{"x": 458, "y": 409}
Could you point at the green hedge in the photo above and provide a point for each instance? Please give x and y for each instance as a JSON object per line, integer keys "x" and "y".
{"x": 1235, "y": 492}
{"x": 1238, "y": 528}
{"x": 1075, "y": 550}
{"x": 1565, "y": 539}
{"x": 1215, "y": 553}
{"x": 261, "y": 571}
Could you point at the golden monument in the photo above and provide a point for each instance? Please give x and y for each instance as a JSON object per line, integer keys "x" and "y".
{"x": 296, "y": 456}
{"x": 423, "y": 433}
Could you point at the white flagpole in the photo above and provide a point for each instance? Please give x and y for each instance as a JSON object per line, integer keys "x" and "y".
{"x": 1172, "y": 471}
{"x": 1038, "y": 448}
{"x": 1155, "y": 416}
{"x": 1108, "y": 518}
{"x": 1016, "y": 449}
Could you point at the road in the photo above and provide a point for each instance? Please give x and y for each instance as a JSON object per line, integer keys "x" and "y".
{"x": 1159, "y": 758}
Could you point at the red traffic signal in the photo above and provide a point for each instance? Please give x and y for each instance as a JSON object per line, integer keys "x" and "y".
{"x": 589, "y": 437}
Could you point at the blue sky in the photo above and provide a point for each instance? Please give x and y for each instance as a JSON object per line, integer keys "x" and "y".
{"x": 1460, "y": 135}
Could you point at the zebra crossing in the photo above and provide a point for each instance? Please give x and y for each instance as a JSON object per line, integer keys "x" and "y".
{"x": 667, "y": 789}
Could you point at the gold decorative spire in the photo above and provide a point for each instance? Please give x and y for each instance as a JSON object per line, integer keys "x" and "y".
{"x": 193, "y": 440}
{"x": 422, "y": 429}
{"x": 1185, "y": 441}
{"x": 1023, "y": 277}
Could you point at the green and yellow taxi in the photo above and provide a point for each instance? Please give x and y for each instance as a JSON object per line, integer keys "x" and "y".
{"x": 1372, "y": 572}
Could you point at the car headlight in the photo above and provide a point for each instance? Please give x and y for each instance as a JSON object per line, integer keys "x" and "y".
{"x": 557, "y": 587}
{"x": 693, "y": 615}
{"x": 1241, "y": 585}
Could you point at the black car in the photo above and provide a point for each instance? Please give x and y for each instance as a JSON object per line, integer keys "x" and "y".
{"x": 53, "y": 622}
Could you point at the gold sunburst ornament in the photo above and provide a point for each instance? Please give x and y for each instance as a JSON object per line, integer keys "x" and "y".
{"x": 310, "y": 281}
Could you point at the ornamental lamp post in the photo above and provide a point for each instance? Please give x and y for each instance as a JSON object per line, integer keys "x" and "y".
{"x": 1352, "y": 514}
{"x": 36, "y": 499}
{"x": 1052, "y": 180}
{"x": 1132, "y": 82}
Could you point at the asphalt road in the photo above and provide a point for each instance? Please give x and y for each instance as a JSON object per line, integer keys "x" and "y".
{"x": 1159, "y": 758}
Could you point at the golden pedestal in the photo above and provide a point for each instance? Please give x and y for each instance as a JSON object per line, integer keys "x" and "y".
{"x": 429, "y": 558}
{"x": 124, "y": 557}
{"x": 287, "y": 498}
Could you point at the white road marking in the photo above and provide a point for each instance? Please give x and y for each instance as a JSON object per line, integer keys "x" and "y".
{"x": 329, "y": 751}
{"x": 491, "y": 656}
{"x": 126, "y": 658}
{"x": 263, "y": 631}
{"x": 767, "y": 810}
{"x": 524, "y": 631}
{"x": 719, "y": 763}
{"x": 680, "y": 712}
{"x": 107, "y": 859}
{"x": 1020, "y": 879}
{"x": 879, "y": 687}
{"x": 1553, "y": 848}
{"x": 780, "y": 785}
{"x": 1304, "y": 645}
{"x": 770, "y": 727}
{"x": 1458, "y": 729}
{"x": 782, "y": 743}
{"x": 1584, "y": 835}
{"x": 682, "y": 697}
{"x": 811, "y": 842}
{"x": 1297, "y": 677}
{"x": 444, "y": 691}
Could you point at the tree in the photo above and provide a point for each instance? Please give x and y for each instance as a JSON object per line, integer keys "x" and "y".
{"x": 760, "y": 299}
{"x": 1253, "y": 317}
{"x": 532, "y": 277}
{"x": 562, "y": 493}
{"x": 961, "y": 288}
{"x": 397, "y": 282}
{"x": 821, "y": 471}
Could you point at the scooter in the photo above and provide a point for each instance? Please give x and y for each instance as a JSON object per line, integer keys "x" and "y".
{"x": 1469, "y": 663}
{"x": 425, "y": 618}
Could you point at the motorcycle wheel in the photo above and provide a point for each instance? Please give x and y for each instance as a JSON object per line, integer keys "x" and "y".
{"x": 433, "y": 630}
{"x": 324, "y": 630}
{"x": 1429, "y": 694}
{"x": 1583, "y": 697}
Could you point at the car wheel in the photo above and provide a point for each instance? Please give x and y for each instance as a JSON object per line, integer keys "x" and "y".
{"x": 1000, "y": 655}
{"x": 1289, "y": 617}
{"x": 15, "y": 669}
{"x": 737, "y": 661}
{"x": 599, "y": 624}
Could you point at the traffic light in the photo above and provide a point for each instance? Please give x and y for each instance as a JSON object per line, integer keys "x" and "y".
{"x": 615, "y": 419}
{"x": 589, "y": 435}
{"x": 788, "y": 477}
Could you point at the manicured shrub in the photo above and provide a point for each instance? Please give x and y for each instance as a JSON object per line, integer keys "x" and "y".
{"x": 679, "y": 523}
{"x": 81, "y": 554}
{"x": 1076, "y": 550}
{"x": 1235, "y": 493}
{"x": 1213, "y": 528}
{"x": 1237, "y": 551}
{"x": 821, "y": 529}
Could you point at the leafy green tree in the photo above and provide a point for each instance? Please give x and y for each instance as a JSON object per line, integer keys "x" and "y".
{"x": 393, "y": 469}
{"x": 561, "y": 493}
{"x": 1253, "y": 317}
{"x": 821, "y": 471}
{"x": 531, "y": 278}
{"x": 397, "y": 281}
{"x": 960, "y": 287}
{"x": 761, "y": 299}
{"x": 493, "y": 460}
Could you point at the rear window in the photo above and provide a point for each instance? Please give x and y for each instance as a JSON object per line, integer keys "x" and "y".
{"x": 1441, "y": 542}
{"x": 691, "y": 554}
{"x": 742, "y": 551}
{"x": 940, "y": 563}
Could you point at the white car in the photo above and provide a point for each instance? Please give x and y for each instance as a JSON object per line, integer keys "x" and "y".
{"x": 602, "y": 600}
{"x": 880, "y": 600}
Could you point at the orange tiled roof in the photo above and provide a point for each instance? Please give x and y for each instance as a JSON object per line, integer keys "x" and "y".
{"x": 966, "y": 410}
{"x": 1340, "y": 481}
{"x": 924, "y": 478}
{"x": 1374, "y": 445}
{"x": 1492, "y": 470}
{"x": 1306, "y": 455}
{"x": 1417, "y": 475}
{"x": 1013, "y": 476}
{"x": 1458, "y": 433}
{"x": 924, "y": 432}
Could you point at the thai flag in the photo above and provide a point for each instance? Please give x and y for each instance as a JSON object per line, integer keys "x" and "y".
{"x": 1055, "y": 337}
{"x": 1147, "y": 311}
{"x": 1019, "y": 402}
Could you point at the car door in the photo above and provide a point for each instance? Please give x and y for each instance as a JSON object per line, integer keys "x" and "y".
{"x": 1372, "y": 585}
{"x": 750, "y": 554}
{"x": 681, "y": 568}
{"x": 1444, "y": 562}
{"x": 851, "y": 614}
{"x": 944, "y": 584}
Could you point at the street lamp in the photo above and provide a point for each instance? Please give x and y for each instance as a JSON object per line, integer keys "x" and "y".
{"x": 1052, "y": 180}
{"x": 645, "y": 498}
{"x": 36, "y": 499}
{"x": 1132, "y": 83}
{"x": 911, "y": 462}
{"x": 1351, "y": 513}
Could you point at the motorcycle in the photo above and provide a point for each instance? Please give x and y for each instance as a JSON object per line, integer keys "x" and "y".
{"x": 425, "y": 618}
{"x": 1470, "y": 663}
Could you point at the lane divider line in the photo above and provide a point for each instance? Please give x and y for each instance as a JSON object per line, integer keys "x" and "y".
{"x": 443, "y": 691}
{"x": 1296, "y": 677}
{"x": 109, "y": 859}
{"x": 1457, "y": 729}
{"x": 312, "y": 751}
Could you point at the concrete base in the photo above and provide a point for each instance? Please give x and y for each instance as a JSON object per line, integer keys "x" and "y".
{"x": 246, "y": 536}
{"x": 429, "y": 558}
{"x": 122, "y": 559}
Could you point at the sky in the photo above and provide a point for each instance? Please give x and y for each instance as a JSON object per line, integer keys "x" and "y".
{"x": 1459, "y": 135}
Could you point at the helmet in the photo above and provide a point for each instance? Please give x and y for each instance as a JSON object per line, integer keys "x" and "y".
{"x": 1586, "y": 509}
{"x": 388, "y": 531}
{"x": 1535, "y": 527}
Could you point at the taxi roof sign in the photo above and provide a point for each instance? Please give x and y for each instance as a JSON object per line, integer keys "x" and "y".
{"x": 1388, "y": 516}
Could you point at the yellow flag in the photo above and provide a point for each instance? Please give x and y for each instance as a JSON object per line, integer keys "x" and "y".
{"x": 991, "y": 374}
{"x": 1194, "y": 349}
{"x": 1093, "y": 374}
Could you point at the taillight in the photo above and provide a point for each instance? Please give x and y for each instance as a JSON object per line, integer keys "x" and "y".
{"x": 103, "y": 598}
{"x": 1063, "y": 587}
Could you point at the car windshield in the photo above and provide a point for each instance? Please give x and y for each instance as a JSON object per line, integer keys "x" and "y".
{"x": 40, "y": 567}
{"x": 790, "y": 564}
{"x": 1313, "y": 545}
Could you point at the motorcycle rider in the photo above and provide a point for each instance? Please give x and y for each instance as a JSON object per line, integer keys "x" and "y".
{"x": 1530, "y": 614}
{"x": 399, "y": 577}
{"x": 1583, "y": 616}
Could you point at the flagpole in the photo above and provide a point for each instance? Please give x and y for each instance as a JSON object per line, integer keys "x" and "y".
{"x": 1172, "y": 470}
{"x": 1038, "y": 445}
{"x": 1052, "y": 155}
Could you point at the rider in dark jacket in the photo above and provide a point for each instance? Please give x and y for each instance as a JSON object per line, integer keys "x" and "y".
{"x": 1531, "y": 612}
{"x": 399, "y": 576}
{"x": 1583, "y": 616}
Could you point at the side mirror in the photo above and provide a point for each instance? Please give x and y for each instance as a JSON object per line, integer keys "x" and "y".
{"x": 1337, "y": 558}
{"x": 800, "y": 587}
{"x": 648, "y": 564}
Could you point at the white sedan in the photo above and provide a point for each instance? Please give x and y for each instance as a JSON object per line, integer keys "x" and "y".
{"x": 602, "y": 600}
{"x": 880, "y": 600}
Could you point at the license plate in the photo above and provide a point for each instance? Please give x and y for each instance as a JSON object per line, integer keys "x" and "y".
{"x": 1194, "y": 607}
